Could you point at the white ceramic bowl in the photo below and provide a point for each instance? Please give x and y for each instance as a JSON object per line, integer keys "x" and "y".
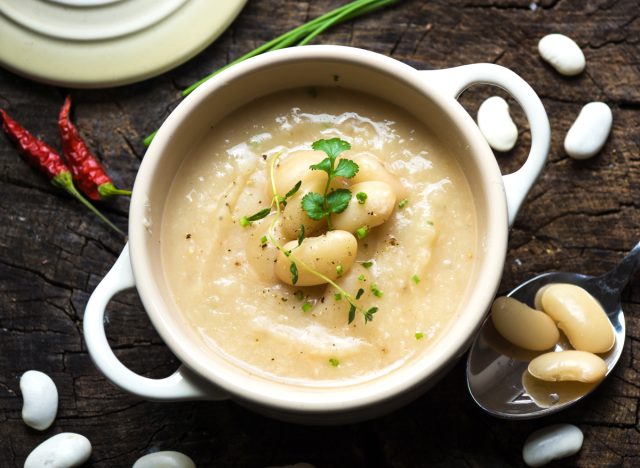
{"x": 429, "y": 96}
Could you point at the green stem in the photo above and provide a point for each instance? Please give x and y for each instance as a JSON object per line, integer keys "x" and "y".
{"x": 65, "y": 182}
{"x": 109, "y": 190}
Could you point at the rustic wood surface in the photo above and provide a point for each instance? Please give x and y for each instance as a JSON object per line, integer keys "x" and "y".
{"x": 581, "y": 216}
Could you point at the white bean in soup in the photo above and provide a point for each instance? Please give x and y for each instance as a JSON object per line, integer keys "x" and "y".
{"x": 373, "y": 208}
{"x": 410, "y": 272}
{"x": 330, "y": 255}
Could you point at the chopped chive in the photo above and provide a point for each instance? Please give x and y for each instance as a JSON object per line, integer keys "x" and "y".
{"x": 362, "y": 197}
{"x": 362, "y": 277}
{"x": 419, "y": 335}
{"x": 306, "y": 307}
{"x": 299, "y": 295}
{"x": 263, "y": 240}
{"x": 367, "y": 264}
{"x": 340, "y": 270}
{"x": 415, "y": 279}
{"x": 376, "y": 292}
{"x": 294, "y": 273}
{"x": 429, "y": 222}
{"x": 362, "y": 232}
{"x": 337, "y": 296}
{"x": 404, "y": 202}
{"x": 359, "y": 293}
{"x": 334, "y": 362}
{"x": 244, "y": 222}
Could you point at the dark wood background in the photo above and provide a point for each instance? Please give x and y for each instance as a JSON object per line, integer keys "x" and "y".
{"x": 581, "y": 216}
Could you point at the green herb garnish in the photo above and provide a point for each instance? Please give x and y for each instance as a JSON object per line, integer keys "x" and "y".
{"x": 337, "y": 296}
{"x": 361, "y": 277}
{"x": 299, "y": 295}
{"x": 368, "y": 315}
{"x": 359, "y": 293}
{"x": 415, "y": 279}
{"x": 367, "y": 264}
{"x": 376, "y": 292}
{"x": 263, "y": 240}
{"x": 334, "y": 362}
{"x": 306, "y": 307}
{"x": 419, "y": 335}
{"x": 339, "y": 270}
{"x": 403, "y": 203}
{"x": 301, "y": 235}
{"x": 362, "y": 232}
{"x": 362, "y": 197}
{"x": 294, "y": 272}
{"x": 322, "y": 206}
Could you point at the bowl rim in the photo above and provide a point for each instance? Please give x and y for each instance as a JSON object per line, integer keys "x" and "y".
{"x": 295, "y": 398}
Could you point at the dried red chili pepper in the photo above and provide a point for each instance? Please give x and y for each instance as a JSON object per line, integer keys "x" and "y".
{"x": 87, "y": 171}
{"x": 40, "y": 155}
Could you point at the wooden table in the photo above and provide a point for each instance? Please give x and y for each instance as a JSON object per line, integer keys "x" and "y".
{"x": 581, "y": 216}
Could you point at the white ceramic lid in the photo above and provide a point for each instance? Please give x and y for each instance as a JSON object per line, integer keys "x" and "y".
{"x": 101, "y": 43}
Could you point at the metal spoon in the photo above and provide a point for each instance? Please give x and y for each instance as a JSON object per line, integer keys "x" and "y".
{"x": 496, "y": 369}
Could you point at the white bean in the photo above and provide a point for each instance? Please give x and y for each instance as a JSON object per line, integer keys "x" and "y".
{"x": 496, "y": 125}
{"x": 579, "y": 316}
{"x": 323, "y": 253}
{"x": 376, "y": 209}
{"x": 589, "y": 132}
{"x": 290, "y": 169}
{"x": 65, "y": 450}
{"x": 293, "y": 215}
{"x": 523, "y": 326}
{"x": 371, "y": 168}
{"x": 40, "y": 400}
{"x": 562, "y": 53}
{"x": 164, "y": 459}
{"x": 551, "y": 443}
{"x": 572, "y": 365}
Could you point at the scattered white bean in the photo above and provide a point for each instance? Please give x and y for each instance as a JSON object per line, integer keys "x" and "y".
{"x": 580, "y": 316}
{"x": 496, "y": 125}
{"x": 562, "y": 53}
{"x": 165, "y": 459}
{"x": 376, "y": 209}
{"x": 523, "y": 326}
{"x": 569, "y": 365}
{"x": 551, "y": 443}
{"x": 40, "y": 400}
{"x": 65, "y": 450}
{"x": 589, "y": 132}
{"x": 322, "y": 253}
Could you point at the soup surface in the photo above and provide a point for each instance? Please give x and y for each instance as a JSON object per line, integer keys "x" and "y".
{"x": 414, "y": 268}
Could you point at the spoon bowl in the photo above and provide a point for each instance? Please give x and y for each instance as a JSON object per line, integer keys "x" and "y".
{"x": 497, "y": 375}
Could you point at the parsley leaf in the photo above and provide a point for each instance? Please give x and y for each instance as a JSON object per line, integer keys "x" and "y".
{"x": 352, "y": 312}
{"x": 259, "y": 215}
{"x": 324, "y": 165}
{"x": 292, "y": 192}
{"x": 332, "y": 147}
{"x": 346, "y": 168}
{"x": 338, "y": 200}
{"x": 313, "y": 204}
{"x": 368, "y": 315}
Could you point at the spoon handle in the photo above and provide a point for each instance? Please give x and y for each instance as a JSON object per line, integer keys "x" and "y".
{"x": 614, "y": 281}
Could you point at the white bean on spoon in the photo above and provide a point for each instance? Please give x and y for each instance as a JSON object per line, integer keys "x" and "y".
{"x": 496, "y": 124}
{"x": 562, "y": 53}
{"x": 551, "y": 443}
{"x": 589, "y": 132}
{"x": 40, "y": 399}
{"x": 65, "y": 450}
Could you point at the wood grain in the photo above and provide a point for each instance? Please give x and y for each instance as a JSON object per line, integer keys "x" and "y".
{"x": 581, "y": 216}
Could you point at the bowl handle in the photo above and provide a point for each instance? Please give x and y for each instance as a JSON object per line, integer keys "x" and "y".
{"x": 455, "y": 80}
{"x": 183, "y": 384}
